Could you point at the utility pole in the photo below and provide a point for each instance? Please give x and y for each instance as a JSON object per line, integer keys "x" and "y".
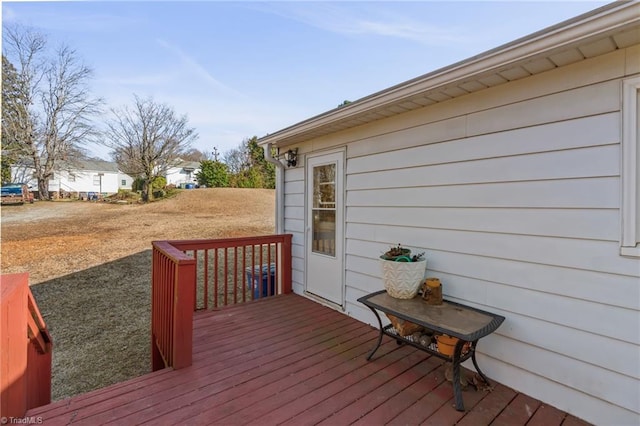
{"x": 100, "y": 194}
{"x": 215, "y": 154}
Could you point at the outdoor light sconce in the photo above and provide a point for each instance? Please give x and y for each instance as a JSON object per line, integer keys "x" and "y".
{"x": 292, "y": 157}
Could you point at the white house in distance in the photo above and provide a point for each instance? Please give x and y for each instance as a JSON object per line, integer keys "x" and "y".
{"x": 184, "y": 172}
{"x": 516, "y": 171}
{"x": 81, "y": 178}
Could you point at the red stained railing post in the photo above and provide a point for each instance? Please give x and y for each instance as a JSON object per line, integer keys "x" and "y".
{"x": 13, "y": 347}
{"x": 184, "y": 299}
{"x": 25, "y": 349}
{"x": 286, "y": 264}
{"x": 173, "y": 279}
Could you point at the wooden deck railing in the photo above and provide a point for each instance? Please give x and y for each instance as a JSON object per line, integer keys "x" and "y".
{"x": 190, "y": 275}
{"x": 25, "y": 349}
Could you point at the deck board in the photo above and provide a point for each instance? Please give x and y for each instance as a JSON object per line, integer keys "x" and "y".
{"x": 289, "y": 360}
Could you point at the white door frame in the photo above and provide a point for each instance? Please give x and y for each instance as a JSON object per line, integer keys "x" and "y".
{"x": 335, "y": 296}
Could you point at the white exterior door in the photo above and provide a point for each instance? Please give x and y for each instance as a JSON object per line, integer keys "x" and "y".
{"x": 325, "y": 229}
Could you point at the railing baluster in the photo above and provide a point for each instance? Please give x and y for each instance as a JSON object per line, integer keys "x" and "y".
{"x": 260, "y": 266}
{"x": 268, "y": 277}
{"x": 206, "y": 279}
{"x": 195, "y": 288}
{"x": 226, "y": 274}
{"x": 235, "y": 275}
{"x": 244, "y": 268}
{"x": 253, "y": 270}
{"x": 215, "y": 268}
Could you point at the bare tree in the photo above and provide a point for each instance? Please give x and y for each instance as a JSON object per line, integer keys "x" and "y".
{"x": 14, "y": 119}
{"x": 236, "y": 159}
{"x": 53, "y": 105}
{"x": 195, "y": 154}
{"x": 147, "y": 140}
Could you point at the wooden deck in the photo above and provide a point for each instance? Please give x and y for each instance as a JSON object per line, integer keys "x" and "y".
{"x": 288, "y": 360}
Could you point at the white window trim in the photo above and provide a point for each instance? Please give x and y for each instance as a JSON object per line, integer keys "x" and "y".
{"x": 630, "y": 164}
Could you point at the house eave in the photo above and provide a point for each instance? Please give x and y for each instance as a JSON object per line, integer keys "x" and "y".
{"x": 608, "y": 28}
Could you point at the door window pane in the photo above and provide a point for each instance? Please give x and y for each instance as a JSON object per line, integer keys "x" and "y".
{"x": 324, "y": 186}
{"x": 324, "y": 232}
{"x": 324, "y": 210}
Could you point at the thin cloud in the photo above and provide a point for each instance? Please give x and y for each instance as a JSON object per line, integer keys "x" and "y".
{"x": 370, "y": 20}
{"x": 411, "y": 31}
{"x": 80, "y": 22}
{"x": 198, "y": 70}
{"x": 139, "y": 80}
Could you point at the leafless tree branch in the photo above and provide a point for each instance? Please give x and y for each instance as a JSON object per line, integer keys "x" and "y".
{"x": 147, "y": 139}
{"x": 57, "y": 108}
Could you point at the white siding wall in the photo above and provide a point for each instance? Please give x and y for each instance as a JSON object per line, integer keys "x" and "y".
{"x": 176, "y": 176}
{"x": 514, "y": 193}
{"x": 76, "y": 181}
{"x": 294, "y": 222}
{"x": 84, "y": 181}
{"x": 125, "y": 181}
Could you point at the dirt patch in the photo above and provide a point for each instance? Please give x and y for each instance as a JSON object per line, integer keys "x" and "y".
{"x": 90, "y": 271}
{"x": 51, "y": 239}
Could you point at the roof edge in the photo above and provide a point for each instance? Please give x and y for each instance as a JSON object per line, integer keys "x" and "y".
{"x": 618, "y": 14}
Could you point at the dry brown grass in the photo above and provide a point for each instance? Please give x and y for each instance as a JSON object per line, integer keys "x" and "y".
{"x": 90, "y": 266}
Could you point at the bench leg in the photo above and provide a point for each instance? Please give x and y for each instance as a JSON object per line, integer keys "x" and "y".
{"x": 379, "y": 336}
{"x": 457, "y": 387}
{"x": 475, "y": 364}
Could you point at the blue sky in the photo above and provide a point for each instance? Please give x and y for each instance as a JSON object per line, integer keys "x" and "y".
{"x": 243, "y": 69}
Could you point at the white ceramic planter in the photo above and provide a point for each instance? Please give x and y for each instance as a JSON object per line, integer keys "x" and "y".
{"x": 402, "y": 279}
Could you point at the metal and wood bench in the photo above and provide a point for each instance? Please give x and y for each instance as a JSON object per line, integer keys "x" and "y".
{"x": 463, "y": 322}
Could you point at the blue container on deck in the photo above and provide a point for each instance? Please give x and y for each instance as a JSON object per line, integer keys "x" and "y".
{"x": 190, "y": 186}
{"x": 259, "y": 280}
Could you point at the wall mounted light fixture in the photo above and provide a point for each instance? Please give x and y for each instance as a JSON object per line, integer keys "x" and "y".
{"x": 292, "y": 157}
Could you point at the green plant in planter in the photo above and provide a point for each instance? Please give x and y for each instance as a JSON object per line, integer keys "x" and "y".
{"x": 400, "y": 254}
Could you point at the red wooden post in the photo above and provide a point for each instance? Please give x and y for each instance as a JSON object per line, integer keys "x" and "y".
{"x": 173, "y": 298}
{"x": 184, "y": 292}
{"x": 286, "y": 264}
{"x": 25, "y": 349}
{"x": 13, "y": 345}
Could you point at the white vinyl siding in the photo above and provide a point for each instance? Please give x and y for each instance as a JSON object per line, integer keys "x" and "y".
{"x": 294, "y": 222}
{"x": 514, "y": 193}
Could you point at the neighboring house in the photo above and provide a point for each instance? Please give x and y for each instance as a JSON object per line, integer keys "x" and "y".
{"x": 125, "y": 181}
{"x": 79, "y": 178}
{"x": 182, "y": 173}
{"x": 517, "y": 172}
